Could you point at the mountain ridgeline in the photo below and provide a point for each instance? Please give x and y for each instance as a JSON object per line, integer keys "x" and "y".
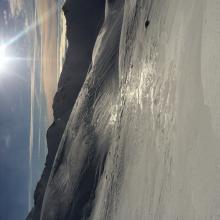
{"x": 84, "y": 19}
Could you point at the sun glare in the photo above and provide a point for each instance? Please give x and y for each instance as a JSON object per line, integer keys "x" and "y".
{"x": 2, "y": 56}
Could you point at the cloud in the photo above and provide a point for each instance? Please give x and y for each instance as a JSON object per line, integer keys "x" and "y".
{"x": 16, "y": 7}
{"x": 7, "y": 140}
{"x": 50, "y": 46}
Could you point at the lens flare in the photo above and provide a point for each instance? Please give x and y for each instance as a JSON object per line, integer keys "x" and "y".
{"x": 2, "y": 56}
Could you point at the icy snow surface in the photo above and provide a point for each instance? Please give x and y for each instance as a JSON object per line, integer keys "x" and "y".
{"x": 143, "y": 140}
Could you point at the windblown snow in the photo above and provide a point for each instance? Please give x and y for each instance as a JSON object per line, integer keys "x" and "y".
{"x": 143, "y": 139}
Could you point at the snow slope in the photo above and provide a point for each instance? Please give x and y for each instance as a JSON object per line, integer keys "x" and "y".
{"x": 143, "y": 138}
{"x": 72, "y": 76}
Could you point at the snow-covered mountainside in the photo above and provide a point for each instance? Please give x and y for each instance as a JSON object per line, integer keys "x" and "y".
{"x": 72, "y": 77}
{"x": 143, "y": 138}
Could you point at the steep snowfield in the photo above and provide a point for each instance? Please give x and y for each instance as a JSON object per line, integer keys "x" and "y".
{"x": 81, "y": 35}
{"x": 143, "y": 139}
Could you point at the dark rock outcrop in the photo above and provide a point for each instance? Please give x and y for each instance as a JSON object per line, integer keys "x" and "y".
{"x": 84, "y": 19}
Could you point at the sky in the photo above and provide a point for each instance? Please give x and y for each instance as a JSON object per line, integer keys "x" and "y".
{"x": 33, "y": 34}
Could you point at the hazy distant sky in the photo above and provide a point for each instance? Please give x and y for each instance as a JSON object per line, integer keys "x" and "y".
{"x": 47, "y": 14}
{"x": 27, "y": 87}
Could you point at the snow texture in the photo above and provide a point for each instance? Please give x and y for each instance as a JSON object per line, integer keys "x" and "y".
{"x": 143, "y": 139}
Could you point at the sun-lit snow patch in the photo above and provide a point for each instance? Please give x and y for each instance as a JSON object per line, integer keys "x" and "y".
{"x": 63, "y": 42}
{"x": 114, "y": 114}
{"x": 139, "y": 88}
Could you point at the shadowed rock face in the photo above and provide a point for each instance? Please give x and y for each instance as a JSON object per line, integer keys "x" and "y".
{"x": 84, "y": 19}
